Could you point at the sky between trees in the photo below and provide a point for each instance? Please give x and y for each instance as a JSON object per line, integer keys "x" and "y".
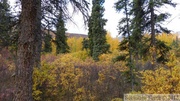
{"x": 113, "y": 18}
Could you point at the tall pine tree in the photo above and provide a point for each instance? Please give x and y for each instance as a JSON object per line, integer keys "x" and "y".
{"x": 27, "y": 40}
{"x": 85, "y": 44}
{"x": 5, "y": 23}
{"x": 61, "y": 38}
{"x": 154, "y": 25}
{"x": 90, "y": 36}
{"x": 137, "y": 27}
{"x": 125, "y": 30}
{"x": 97, "y": 34}
{"x": 47, "y": 43}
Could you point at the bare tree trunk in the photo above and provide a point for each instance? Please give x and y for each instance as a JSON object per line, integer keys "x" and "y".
{"x": 130, "y": 62}
{"x": 26, "y": 51}
{"x": 153, "y": 37}
{"x": 38, "y": 38}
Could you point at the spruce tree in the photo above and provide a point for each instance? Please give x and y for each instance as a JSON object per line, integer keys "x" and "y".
{"x": 98, "y": 34}
{"x": 5, "y": 23}
{"x": 27, "y": 40}
{"x": 137, "y": 27}
{"x": 126, "y": 44}
{"x": 154, "y": 25}
{"x": 47, "y": 43}
{"x": 90, "y": 36}
{"x": 61, "y": 38}
{"x": 85, "y": 44}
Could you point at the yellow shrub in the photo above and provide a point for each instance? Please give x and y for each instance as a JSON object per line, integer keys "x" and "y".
{"x": 83, "y": 54}
{"x": 44, "y": 77}
{"x": 161, "y": 81}
{"x": 55, "y": 79}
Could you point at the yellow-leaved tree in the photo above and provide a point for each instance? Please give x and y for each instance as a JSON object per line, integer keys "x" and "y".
{"x": 75, "y": 44}
{"x": 114, "y": 42}
{"x": 168, "y": 38}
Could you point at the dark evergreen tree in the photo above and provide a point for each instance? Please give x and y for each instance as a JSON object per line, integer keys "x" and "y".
{"x": 90, "y": 36}
{"x": 5, "y": 24}
{"x": 143, "y": 18}
{"x": 47, "y": 43}
{"x": 29, "y": 24}
{"x": 98, "y": 34}
{"x": 137, "y": 27}
{"x": 85, "y": 44}
{"x": 153, "y": 25}
{"x": 126, "y": 44}
{"x": 61, "y": 38}
{"x": 26, "y": 51}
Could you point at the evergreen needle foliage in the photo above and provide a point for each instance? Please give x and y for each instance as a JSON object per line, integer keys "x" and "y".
{"x": 61, "y": 38}
{"x": 97, "y": 33}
